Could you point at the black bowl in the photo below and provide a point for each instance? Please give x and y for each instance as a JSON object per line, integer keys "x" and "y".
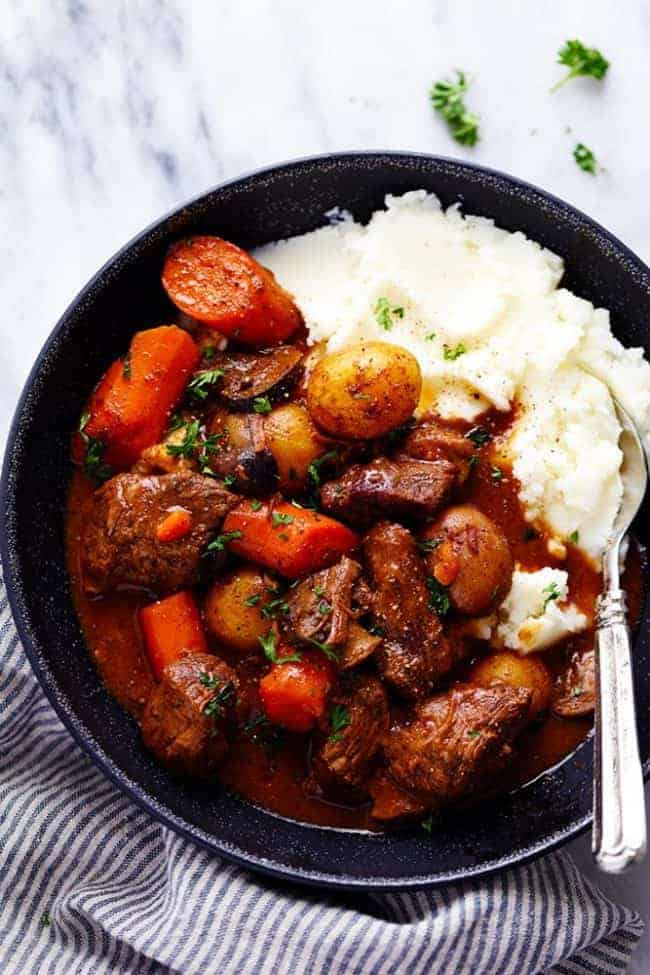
{"x": 126, "y": 295}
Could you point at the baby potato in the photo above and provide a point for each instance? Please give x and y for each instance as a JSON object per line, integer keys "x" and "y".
{"x": 365, "y": 390}
{"x": 294, "y": 442}
{"x": 516, "y": 671}
{"x": 232, "y": 609}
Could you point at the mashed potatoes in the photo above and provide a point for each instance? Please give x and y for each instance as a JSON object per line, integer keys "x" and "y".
{"x": 535, "y": 615}
{"x": 481, "y": 310}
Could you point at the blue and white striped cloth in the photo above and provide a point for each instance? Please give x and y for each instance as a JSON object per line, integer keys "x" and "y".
{"x": 89, "y": 885}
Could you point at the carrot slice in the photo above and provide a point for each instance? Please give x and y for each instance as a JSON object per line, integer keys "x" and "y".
{"x": 220, "y": 284}
{"x": 129, "y": 409}
{"x": 286, "y": 539}
{"x": 294, "y": 694}
{"x": 170, "y": 627}
{"x": 174, "y": 526}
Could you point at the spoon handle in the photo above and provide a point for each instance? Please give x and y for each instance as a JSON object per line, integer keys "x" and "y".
{"x": 619, "y": 836}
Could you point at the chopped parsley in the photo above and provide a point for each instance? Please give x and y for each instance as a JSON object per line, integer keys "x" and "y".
{"x": 262, "y": 404}
{"x": 447, "y": 99}
{"x": 430, "y": 337}
{"x": 479, "y": 436}
{"x": 577, "y": 692}
{"x": 319, "y": 590}
{"x": 192, "y": 445}
{"x": 496, "y": 474}
{"x": 427, "y": 545}
{"x": 551, "y": 593}
{"x": 438, "y": 596}
{"x": 126, "y": 366}
{"x": 209, "y": 351}
{"x": 278, "y": 518}
{"x": 176, "y": 421}
{"x": 252, "y": 600}
{"x": 219, "y": 543}
{"x": 229, "y": 480}
{"x": 574, "y": 537}
{"x": 473, "y": 733}
{"x": 385, "y": 313}
{"x": 581, "y": 60}
{"x": 314, "y": 469}
{"x": 473, "y": 461}
{"x": 585, "y": 158}
{"x": 452, "y": 354}
{"x": 325, "y": 648}
{"x": 274, "y": 608}
{"x": 427, "y": 823}
{"x": 268, "y": 644}
{"x": 93, "y": 461}
{"x": 256, "y": 505}
{"x": 202, "y": 383}
{"x": 225, "y": 694}
{"x": 377, "y": 630}
{"x": 339, "y": 720}
{"x": 324, "y": 608}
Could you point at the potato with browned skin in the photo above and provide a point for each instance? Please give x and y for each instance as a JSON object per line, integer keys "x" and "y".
{"x": 295, "y": 443}
{"x": 515, "y": 671}
{"x": 364, "y": 390}
{"x": 233, "y": 609}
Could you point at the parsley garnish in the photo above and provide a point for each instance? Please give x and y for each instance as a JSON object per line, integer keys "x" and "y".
{"x": 385, "y": 312}
{"x": 202, "y": 382}
{"x": 479, "y": 436}
{"x": 447, "y": 99}
{"x": 176, "y": 421}
{"x": 427, "y": 824}
{"x": 474, "y": 733}
{"x": 278, "y": 518}
{"x": 430, "y": 337}
{"x": 271, "y": 610}
{"x": 577, "y": 692}
{"x": 325, "y": 648}
{"x": 585, "y": 158}
{"x": 262, "y": 404}
{"x": 473, "y": 461}
{"x": 319, "y": 590}
{"x": 126, "y": 366}
{"x": 256, "y": 505}
{"x": 438, "y": 596}
{"x": 219, "y": 543}
{"x": 339, "y": 720}
{"x": 229, "y": 480}
{"x": 93, "y": 464}
{"x": 551, "y": 592}
{"x": 313, "y": 470}
{"x": 452, "y": 354}
{"x": 324, "y": 608}
{"x": 427, "y": 545}
{"x": 268, "y": 644}
{"x": 377, "y": 630}
{"x": 496, "y": 473}
{"x": 581, "y": 60}
{"x": 574, "y": 537}
{"x": 214, "y": 708}
{"x": 192, "y": 445}
{"x": 209, "y": 351}
{"x": 252, "y": 600}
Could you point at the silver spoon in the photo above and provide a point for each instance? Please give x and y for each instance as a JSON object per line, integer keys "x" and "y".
{"x": 619, "y": 834}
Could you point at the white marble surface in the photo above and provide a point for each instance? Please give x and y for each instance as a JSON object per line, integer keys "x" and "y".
{"x": 112, "y": 112}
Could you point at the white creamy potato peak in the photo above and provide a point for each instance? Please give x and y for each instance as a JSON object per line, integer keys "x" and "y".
{"x": 481, "y": 310}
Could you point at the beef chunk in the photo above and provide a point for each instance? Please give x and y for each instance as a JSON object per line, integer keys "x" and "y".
{"x": 358, "y": 647}
{"x": 183, "y": 721}
{"x": 320, "y": 608}
{"x": 401, "y": 488}
{"x": 472, "y": 557}
{"x": 120, "y": 544}
{"x": 575, "y": 691}
{"x": 352, "y": 731}
{"x": 458, "y": 741}
{"x": 248, "y": 375}
{"x": 414, "y": 653}
{"x": 433, "y": 440}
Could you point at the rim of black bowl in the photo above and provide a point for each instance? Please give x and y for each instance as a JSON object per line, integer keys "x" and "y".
{"x": 64, "y": 707}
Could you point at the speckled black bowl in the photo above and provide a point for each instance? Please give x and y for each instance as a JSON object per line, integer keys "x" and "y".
{"x": 126, "y": 295}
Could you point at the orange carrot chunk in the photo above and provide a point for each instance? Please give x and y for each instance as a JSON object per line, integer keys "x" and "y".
{"x": 220, "y": 284}
{"x": 289, "y": 540}
{"x": 171, "y": 627}
{"x": 174, "y": 526}
{"x": 130, "y": 408}
{"x": 294, "y": 694}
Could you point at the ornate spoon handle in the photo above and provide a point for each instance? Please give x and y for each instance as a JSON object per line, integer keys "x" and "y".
{"x": 619, "y": 836}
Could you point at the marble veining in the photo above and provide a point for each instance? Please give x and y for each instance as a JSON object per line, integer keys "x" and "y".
{"x": 113, "y": 112}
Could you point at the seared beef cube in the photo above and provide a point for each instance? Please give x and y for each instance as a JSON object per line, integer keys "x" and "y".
{"x": 183, "y": 721}
{"x": 575, "y": 691}
{"x": 414, "y": 654}
{"x": 458, "y": 742}
{"x": 433, "y": 440}
{"x": 320, "y": 608}
{"x": 358, "y": 647}
{"x": 390, "y": 803}
{"x": 249, "y": 375}
{"x": 352, "y": 732}
{"x": 121, "y": 545}
{"x": 470, "y": 556}
{"x": 401, "y": 488}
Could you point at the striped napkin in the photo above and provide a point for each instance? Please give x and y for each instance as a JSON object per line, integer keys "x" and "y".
{"x": 90, "y": 884}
